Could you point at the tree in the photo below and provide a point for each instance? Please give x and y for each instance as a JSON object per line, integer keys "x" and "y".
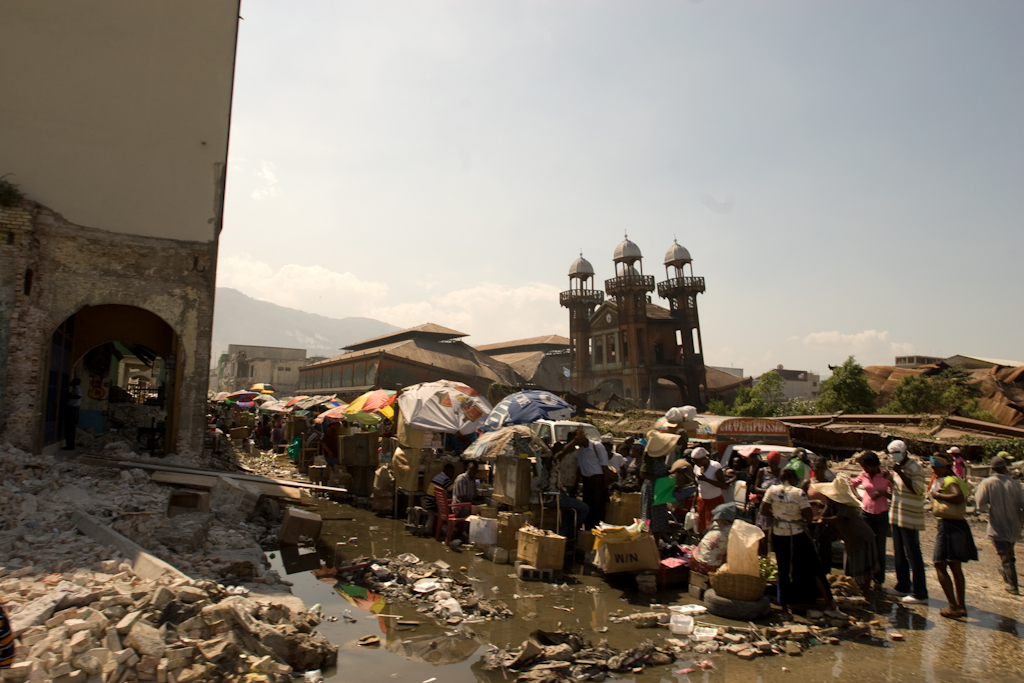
{"x": 767, "y": 399}
{"x": 847, "y": 390}
{"x": 947, "y": 392}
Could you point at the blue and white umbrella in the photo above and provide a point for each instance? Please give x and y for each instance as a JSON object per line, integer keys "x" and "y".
{"x": 525, "y": 407}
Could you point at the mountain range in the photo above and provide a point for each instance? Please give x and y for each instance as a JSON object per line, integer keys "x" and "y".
{"x": 240, "y": 319}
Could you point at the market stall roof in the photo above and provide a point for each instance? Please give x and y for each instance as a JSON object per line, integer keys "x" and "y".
{"x": 426, "y": 331}
{"x": 856, "y": 432}
{"x": 539, "y": 367}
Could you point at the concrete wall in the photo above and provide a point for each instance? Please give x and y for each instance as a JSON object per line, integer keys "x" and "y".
{"x": 116, "y": 112}
{"x": 73, "y": 267}
{"x": 268, "y": 352}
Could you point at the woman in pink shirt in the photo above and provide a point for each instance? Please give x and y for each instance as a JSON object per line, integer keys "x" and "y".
{"x": 875, "y": 492}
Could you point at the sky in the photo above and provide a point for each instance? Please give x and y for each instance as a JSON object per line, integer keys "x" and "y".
{"x": 847, "y": 176}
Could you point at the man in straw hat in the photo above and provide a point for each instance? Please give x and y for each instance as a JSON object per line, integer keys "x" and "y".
{"x": 1003, "y": 498}
{"x": 843, "y": 512}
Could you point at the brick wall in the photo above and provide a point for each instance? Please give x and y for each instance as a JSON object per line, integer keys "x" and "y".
{"x": 73, "y": 267}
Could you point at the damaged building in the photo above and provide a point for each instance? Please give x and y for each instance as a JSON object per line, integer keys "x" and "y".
{"x": 113, "y": 148}
{"x": 423, "y": 353}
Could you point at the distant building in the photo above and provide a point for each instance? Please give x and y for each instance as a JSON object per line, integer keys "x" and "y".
{"x": 979, "y": 363}
{"x": 243, "y": 365}
{"x": 800, "y": 384}
{"x": 418, "y": 354}
{"x": 630, "y": 347}
{"x": 735, "y": 372}
{"x": 542, "y": 361}
{"x": 916, "y": 361}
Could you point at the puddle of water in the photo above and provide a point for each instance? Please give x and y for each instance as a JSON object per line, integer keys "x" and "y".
{"x": 934, "y": 649}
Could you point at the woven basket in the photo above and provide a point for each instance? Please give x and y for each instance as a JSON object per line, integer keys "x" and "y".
{"x": 738, "y": 586}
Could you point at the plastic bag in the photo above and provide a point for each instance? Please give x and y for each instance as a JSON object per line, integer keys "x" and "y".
{"x": 690, "y": 523}
{"x": 664, "y": 490}
{"x": 744, "y": 539}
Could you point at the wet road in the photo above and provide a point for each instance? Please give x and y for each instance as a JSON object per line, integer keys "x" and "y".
{"x": 987, "y": 647}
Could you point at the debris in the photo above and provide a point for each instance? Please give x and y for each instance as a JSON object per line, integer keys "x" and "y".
{"x": 369, "y": 641}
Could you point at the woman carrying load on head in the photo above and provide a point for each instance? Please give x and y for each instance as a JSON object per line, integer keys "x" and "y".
{"x": 653, "y": 468}
{"x": 801, "y": 578}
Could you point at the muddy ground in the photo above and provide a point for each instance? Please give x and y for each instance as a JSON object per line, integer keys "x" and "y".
{"x": 985, "y": 646}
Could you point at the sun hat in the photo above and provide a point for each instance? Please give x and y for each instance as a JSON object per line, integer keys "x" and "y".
{"x": 607, "y": 437}
{"x": 680, "y": 464}
{"x": 838, "y": 490}
{"x": 660, "y": 444}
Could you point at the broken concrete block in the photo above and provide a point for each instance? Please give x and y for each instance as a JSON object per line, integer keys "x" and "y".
{"x": 161, "y": 597}
{"x": 190, "y": 594}
{"x": 185, "y": 501}
{"x": 748, "y": 653}
{"x": 146, "y": 640}
{"x": 81, "y": 641}
{"x": 184, "y": 533}
{"x": 792, "y": 648}
{"x": 126, "y": 623}
{"x": 298, "y": 523}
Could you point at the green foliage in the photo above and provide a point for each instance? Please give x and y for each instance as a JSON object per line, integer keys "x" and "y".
{"x": 717, "y": 406}
{"x": 847, "y": 391}
{"x": 947, "y": 392}
{"x": 10, "y": 195}
{"x": 767, "y": 399}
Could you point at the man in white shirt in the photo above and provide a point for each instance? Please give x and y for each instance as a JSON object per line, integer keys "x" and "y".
{"x": 592, "y": 459}
{"x": 615, "y": 459}
{"x": 711, "y": 483}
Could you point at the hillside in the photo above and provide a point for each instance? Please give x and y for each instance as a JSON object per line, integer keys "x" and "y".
{"x": 240, "y": 319}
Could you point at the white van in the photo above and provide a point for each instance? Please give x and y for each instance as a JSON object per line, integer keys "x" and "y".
{"x": 562, "y": 430}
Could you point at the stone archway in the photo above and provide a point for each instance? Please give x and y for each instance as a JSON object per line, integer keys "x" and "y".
{"x": 115, "y": 349}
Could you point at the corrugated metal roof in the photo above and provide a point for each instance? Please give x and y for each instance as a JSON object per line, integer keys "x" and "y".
{"x": 545, "y": 340}
{"x": 428, "y": 330}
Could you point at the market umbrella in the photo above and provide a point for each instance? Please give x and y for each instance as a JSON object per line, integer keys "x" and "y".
{"x": 264, "y": 398}
{"x": 294, "y": 400}
{"x": 263, "y": 388}
{"x": 378, "y": 400}
{"x": 443, "y": 406}
{"x": 513, "y": 441}
{"x": 337, "y": 413}
{"x": 240, "y": 397}
{"x": 219, "y": 398}
{"x": 525, "y": 407}
{"x": 275, "y": 407}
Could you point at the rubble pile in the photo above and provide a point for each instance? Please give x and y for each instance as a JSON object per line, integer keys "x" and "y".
{"x": 432, "y": 586}
{"x": 552, "y": 656}
{"x": 39, "y": 494}
{"x": 111, "y": 626}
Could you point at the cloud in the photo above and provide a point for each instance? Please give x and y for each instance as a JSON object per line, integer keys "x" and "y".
{"x": 313, "y": 289}
{"x": 487, "y": 311}
{"x": 269, "y": 179}
{"x": 869, "y": 346}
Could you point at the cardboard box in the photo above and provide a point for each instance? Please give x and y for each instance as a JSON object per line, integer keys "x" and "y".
{"x": 584, "y": 541}
{"x": 540, "y": 550}
{"x": 297, "y": 523}
{"x": 622, "y": 509}
{"x": 512, "y": 481}
{"x": 406, "y": 468}
{"x": 628, "y": 557}
{"x": 485, "y": 511}
{"x": 239, "y": 433}
{"x": 508, "y": 529}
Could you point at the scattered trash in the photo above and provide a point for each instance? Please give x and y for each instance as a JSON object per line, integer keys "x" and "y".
{"x": 314, "y": 676}
{"x": 408, "y": 558}
{"x": 369, "y": 641}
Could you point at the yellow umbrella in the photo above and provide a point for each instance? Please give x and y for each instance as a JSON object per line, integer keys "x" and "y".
{"x": 378, "y": 400}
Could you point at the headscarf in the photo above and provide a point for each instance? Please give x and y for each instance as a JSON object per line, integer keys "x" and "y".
{"x": 940, "y": 461}
{"x": 799, "y": 467}
{"x": 726, "y": 512}
{"x": 774, "y": 458}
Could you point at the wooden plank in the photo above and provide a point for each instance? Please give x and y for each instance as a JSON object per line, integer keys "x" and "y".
{"x": 205, "y": 482}
{"x": 147, "y": 465}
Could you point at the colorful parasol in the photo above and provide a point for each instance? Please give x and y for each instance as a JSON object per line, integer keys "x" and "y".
{"x": 263, "y": 388}
{"x": 525, "y": 407}
{"x": 512, "y": 441}
{"x": 443, "y": 406}
{"x": 378, "y": 400}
